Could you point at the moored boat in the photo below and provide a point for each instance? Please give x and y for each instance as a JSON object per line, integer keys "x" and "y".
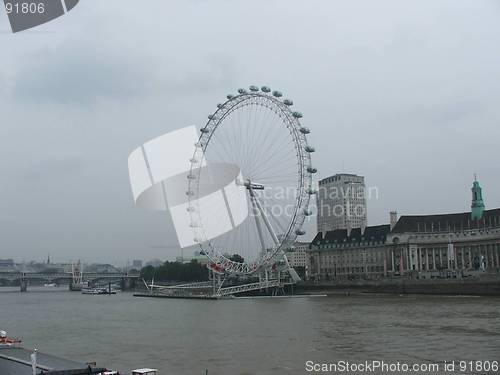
{"x": 98, "y": 291}
{"x": 6, "y": 341}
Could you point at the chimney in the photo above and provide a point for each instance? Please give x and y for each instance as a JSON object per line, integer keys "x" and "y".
{"x": 393, "y": 218}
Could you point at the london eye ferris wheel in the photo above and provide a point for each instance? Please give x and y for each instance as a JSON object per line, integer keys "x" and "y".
{"x": 256, "y": 136}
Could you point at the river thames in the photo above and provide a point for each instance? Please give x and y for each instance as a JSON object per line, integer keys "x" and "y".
{"x": 251, "y": 336}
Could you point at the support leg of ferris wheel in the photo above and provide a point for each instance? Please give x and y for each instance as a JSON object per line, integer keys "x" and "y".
{"x": 217, "y": 283}
{"x": 255, "y": 200}
{"x": 256, "y": 212}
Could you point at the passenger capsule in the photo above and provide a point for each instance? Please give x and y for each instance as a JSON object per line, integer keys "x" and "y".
{"x": 190, "y": 209}
{"x": 205, "y": 130}
{"x": 309, "y": 149}
{"x": 277, "y": 94}
{"x": 288, "y": 102}
{"x": 211, "y": 117}
{"x": 191, "y": 177}
{"x": 190, "y": 193}
{"x": 219, "y": 105}
{"x": 254, "y": 88}
{"x": 297, "y": 115}
{"x": 242, "y": 91}
{"x": 311, "y": 170}
{"x": 312, "y": 191}
{"x": 300, "y": 232}
{"x": 307, "y": 212}
{"x": 265, "y": 89}
{"x": 230, "y": 96}
{"x": 198, "y": 145}
{"x": 193, "y": 160}
{"x": 304, "y": 130}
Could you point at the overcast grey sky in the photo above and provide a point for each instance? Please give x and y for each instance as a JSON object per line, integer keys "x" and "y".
{"x": 404, "y": 93}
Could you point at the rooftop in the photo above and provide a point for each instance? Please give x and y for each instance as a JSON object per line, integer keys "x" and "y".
{"x": 377, "y": 233}
{"x": 339, "y": 176}
{"x": 447, "y": 222}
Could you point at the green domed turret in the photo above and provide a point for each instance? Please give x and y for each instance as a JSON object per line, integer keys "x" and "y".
{"x": 477, "y": 207}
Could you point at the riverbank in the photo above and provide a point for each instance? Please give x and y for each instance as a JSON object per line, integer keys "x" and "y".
{"x": 472, "y": 287}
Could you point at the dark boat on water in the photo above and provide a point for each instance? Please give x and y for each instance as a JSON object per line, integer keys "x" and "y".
{"x": 95, "y": 291}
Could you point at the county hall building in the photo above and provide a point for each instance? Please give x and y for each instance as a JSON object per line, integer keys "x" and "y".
{"x": 425, "y": 246}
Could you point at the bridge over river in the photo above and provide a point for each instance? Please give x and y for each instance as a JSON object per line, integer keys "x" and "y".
{"x": 75, "y": 279}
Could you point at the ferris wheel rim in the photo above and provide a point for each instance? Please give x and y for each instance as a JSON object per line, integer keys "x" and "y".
{"x": 304, "y": 174}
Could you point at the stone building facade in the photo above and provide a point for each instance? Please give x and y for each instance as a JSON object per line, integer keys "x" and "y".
{"x": 339, "y": 255}
{"x": 297, "y": 257}
{"x": 422, "y": 246}
{"x": 452, "y": 242}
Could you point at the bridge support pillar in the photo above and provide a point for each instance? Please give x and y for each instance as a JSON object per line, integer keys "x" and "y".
{"x": 125, "y": 283}
{"x": 75, "y": 287}
{"x": 23, "y": 284}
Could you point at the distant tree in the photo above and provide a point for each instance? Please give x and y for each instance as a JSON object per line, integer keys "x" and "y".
{"x": 301, "y": 270}
{"x": 147, "y": 272}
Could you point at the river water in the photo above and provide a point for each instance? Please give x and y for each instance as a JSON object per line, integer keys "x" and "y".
{"x": 251, "y": 336}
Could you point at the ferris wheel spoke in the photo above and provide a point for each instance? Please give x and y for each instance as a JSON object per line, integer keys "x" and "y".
{"x": 262, "y": 137}
{"x": 271, "y": 142}
{"x": 223, "y": 150}
{"x": 263, "y": 119}
{"x": 258, "y": 168}
{"x": 277, "y": 178}
{"x": 273, "y": 162}
{"x": 263, "y": 145}
{"x": 265, "y": 219}
{"x": 269, "y": 171}
{"x": 258, "y": 226}
{"x": 281, "y": 150}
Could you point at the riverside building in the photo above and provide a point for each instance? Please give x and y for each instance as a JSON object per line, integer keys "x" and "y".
{"x": 297, "y": 257}
{"x": 418, "y": 246}
{"x": 343, "y": 255}
{"x": 341, "y": 203}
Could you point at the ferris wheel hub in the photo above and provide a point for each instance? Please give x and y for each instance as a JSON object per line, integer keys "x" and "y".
{"x": 253, "y": 186}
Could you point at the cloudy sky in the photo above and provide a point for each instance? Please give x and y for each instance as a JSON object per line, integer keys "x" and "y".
{"x": 404, "y": 93}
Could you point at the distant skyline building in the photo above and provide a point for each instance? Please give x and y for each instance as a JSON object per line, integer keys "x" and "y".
{"x": 137, "y": 264}
{"x": 7, "y": 265}
{"x": 341, "y": 203}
